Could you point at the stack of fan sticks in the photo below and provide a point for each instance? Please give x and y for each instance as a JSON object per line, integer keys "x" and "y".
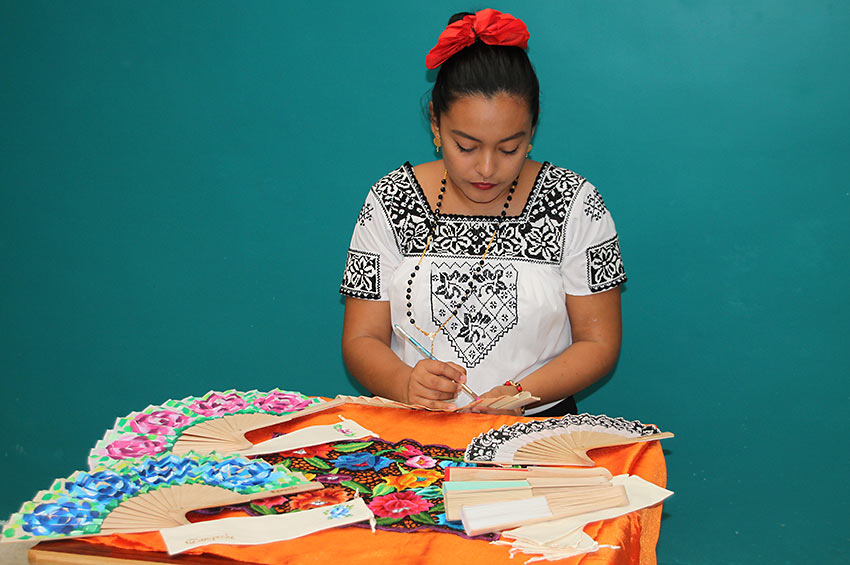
{"x": 491, "y": 499}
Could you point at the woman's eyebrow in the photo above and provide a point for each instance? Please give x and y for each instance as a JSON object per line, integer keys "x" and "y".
{"x": 467, "y": 136}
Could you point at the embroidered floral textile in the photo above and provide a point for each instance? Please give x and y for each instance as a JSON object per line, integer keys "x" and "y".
{"x": 400, "y": 482}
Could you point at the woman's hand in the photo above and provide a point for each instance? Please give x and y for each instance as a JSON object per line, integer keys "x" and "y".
{"x": 434, "y": 384}
{"x": 496, "y": 392}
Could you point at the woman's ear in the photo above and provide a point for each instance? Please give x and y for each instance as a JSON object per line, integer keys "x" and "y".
{"x": 435, "y": 127}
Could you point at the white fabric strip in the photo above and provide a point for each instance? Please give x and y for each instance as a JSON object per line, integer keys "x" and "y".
{"x": 254, "y": 530}
{"x": 314, "y": 435}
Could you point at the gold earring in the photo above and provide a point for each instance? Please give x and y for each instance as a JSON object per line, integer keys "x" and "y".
{"x": 437, "y": 144}
{"x": 527, "y": 151}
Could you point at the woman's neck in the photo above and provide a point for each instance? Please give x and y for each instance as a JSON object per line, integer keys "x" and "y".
{"x": 428, "y": 175}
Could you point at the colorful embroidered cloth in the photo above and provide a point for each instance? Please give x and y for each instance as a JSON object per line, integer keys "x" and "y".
{"x": 635, "y": 533}
{"x": 401, "y": 482}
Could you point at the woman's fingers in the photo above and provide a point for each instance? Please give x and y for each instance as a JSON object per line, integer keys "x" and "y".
{"x": 435, "y": 383}
{"x": 454, "y": 371}
{"x": 438, "y": 376}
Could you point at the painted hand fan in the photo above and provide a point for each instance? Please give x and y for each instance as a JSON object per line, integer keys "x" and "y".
{"x": 216, "y": 422}
{"x": 506, "y": 402}
{"x": 156, "y": 493}
{"x": 557, "y": 441}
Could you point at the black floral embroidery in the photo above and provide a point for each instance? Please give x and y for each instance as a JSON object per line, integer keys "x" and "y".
{"x": 534, "y": 235}
{"x": 362, "y": 275}
{"x": 365, "y": 214}
{"x": 452, "y": 285}
{"x": 605, "y": 265}
{"x": 474, "y": 326}
{"x": 488, "y": 312}
{"x": 594, "y": 206}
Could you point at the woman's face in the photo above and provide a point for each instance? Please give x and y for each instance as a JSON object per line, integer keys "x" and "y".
{"x": 485, "y": 141}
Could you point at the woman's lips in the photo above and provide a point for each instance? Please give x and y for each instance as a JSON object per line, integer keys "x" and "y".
{"x": 483, "y": 185}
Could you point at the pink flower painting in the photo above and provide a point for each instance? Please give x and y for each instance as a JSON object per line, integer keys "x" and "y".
{"x": 280, "y": 402}
{"x": 219, "y": 405}
{"x": 161, "y": 422}
{"x": 130, "y": 447}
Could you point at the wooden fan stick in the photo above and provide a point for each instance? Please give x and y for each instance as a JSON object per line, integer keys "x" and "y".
{"x": 554, "y": 450}
{"x": 455, "y": 500}
{"x": 629, "y": 441}
{"x": 486, "y": 518}
{"x": 509, "y": 402}
{"x": 497, "y": 474}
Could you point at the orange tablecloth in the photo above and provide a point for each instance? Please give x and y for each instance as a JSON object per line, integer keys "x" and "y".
{"x": 636, "y": 533}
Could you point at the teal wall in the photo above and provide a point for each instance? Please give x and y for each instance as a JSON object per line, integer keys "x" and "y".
{"x": 179, "y": 182}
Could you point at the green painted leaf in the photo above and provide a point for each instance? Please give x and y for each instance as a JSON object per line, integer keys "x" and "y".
{"x": 356, "y": 486}
{"x": 382, "y": 489}
{"x": 262, "y": 509}
{"x": 422, "y": 518}
{"x": 438, "y": 508}
{"x": 387, "y": 521}
{"x": 349, "y": 447}
{"x": 316, "y": 462}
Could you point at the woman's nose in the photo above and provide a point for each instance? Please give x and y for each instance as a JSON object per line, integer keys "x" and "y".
{"x": 485, "y": 165}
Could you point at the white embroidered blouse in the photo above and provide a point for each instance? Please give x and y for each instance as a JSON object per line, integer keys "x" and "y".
{"x": 515, "y": 320}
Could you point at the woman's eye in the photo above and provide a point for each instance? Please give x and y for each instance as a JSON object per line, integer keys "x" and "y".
{"x": 462, "y": 148}
{"x": 510, "y": 151}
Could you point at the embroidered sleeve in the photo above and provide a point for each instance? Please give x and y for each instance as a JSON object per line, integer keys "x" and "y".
{"x": 591, "y": 261}
{"x": 372, "y": 256}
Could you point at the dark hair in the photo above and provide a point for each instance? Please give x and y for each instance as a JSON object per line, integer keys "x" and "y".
{"x": 486, "y": 70}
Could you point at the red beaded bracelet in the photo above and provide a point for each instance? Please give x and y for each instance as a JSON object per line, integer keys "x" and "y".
{"x": 513, "y": 384}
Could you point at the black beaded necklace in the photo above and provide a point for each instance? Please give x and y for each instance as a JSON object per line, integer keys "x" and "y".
{"x": 431, "y": 232}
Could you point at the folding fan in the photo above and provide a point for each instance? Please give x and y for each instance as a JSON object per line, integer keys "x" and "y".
{"x": 502, "y": 515}
{"x": 216, "y": 422}
{"x": 557, "y": 441}
{"x": 506, "y": 402}
{"x": 151, "y": 495}
{"x": 458, "y": 494}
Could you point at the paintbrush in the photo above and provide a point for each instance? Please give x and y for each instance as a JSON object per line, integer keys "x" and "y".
{"x": 404, "y": 335}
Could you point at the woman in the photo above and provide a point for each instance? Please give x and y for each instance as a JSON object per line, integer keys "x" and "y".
{"x": 506, "y": 269}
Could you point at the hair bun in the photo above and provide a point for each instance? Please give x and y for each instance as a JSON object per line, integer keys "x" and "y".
{"x": 459, "y": 16}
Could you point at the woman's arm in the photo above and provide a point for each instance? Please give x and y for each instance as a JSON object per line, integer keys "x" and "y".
{"x": 366, "y": 336}
{"x": 596, "y": 330}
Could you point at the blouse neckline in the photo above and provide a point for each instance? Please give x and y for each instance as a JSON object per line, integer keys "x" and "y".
{"x": 420, "y": 193}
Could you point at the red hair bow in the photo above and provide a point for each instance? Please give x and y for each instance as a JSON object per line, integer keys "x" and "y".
{"x": 490, "y": 26}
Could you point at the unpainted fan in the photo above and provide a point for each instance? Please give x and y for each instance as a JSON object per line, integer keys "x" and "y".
{"x": 499, "y": 486}
{"x": 557, "y": 441}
